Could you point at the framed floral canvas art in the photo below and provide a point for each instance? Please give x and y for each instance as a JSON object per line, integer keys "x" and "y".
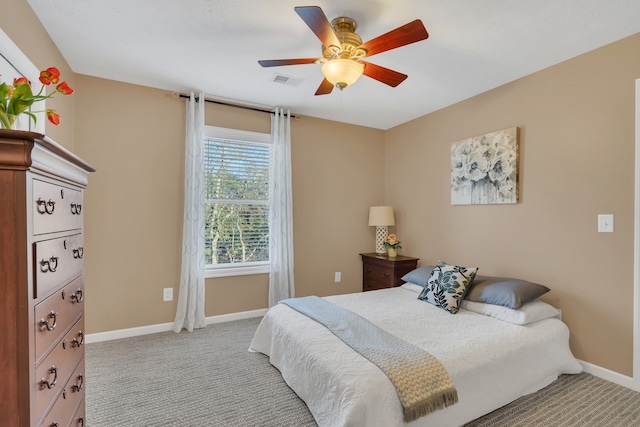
{"x": 484, "y": 169}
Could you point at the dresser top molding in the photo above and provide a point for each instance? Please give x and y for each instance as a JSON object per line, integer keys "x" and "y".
{"x": 23, "y": 150}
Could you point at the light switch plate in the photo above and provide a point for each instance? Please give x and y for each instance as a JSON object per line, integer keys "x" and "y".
{"x": 605, "y": 223}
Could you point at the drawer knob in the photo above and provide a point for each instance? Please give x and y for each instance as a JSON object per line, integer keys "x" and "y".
{"x": 78, "y": 342}
{"x": 46, "y": 207}
{"x": 44, "y": 323}
{"x": 78, "y": 252}
{"x": 78, "y": 386}
{"x": 54, "y": 424}
{"x": 76, "y": 208}
{"x": 49, "y": 265}
{"x": 81, "y": 421}
{"x": 77, "y": 296}
{"x": 385, "y": 275}
{"x": 45, "y": 381}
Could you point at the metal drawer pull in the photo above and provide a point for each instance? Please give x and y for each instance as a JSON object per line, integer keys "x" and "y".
{"x": 76, "y": 208}
{"x": 77, "y": 343}
{"x": 54, "y": 424}
{"x": 77, "y": 387}
{"x": 77, "y": 296}
{"x": 45, "y": 322}
{"x": 49, "y": 265}
{"x": 45, "y": 382}
{"x": 81, "y": 421}
{"x": 385, "y": 275}
{"x": 47, "y": 207}
{"x": 78, "y": 252}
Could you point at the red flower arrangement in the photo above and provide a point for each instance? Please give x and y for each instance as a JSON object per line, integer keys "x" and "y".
{"x": 17, "y": 98}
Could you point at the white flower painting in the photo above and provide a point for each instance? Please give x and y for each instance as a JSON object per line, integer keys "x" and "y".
{"x": 484, "y": 169}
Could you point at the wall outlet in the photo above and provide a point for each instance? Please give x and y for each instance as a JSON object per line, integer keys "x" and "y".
{"x": 167, "y": 294}
{"x": 337, "y": 277}
{"x": 605, "y": 223}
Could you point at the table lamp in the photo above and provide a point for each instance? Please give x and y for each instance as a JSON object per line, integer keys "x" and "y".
{"x": 381, "y": 217}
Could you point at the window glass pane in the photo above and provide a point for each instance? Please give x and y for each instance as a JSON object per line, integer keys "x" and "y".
{"x": 236, "y": 202}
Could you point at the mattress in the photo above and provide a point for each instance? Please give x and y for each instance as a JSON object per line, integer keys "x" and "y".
{"x": 491, "y": 362}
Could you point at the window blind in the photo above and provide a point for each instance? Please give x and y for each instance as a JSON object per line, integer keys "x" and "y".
{"x": 236, "y": 201}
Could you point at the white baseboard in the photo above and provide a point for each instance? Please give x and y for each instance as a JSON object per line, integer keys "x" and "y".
{"x": 608, "y": 375}
{"x": 164, "y": 327}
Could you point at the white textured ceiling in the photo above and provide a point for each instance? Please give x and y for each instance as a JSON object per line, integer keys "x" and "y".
{"x": 214, "y": 45}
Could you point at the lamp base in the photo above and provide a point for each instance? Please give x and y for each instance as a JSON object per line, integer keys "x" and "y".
{"x": 382, "y": 231}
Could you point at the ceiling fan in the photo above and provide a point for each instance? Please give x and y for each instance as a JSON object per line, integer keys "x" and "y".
{"x": 343, "y": 50}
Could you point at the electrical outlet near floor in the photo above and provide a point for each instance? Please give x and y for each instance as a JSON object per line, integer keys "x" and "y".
{"x": 167, "y": 294}
{"x": 337, "y": 277}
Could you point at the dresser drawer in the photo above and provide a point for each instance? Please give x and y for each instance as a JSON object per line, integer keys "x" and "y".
{"x": 69, "y": 406}
{"x": 55, "y": 371}
{"x": 54, "y": 315}
{"x": 55, "y": 208}
{"x": 56, "y": 261}
{"x": 80, "y": 417}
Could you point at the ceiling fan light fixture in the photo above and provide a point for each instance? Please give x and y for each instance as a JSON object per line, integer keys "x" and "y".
{"x": 342, "y": 72}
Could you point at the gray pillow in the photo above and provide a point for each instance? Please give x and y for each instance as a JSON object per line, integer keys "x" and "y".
{"x": 419, "y": 276}
{"x": 512, "y": 293}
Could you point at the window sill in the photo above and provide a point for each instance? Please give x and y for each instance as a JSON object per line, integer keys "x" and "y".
{"x": 237, "y": 271}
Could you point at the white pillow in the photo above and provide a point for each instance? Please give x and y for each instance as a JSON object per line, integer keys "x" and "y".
{"x": 530, "y": 312}
{"x": 412, "y": 287}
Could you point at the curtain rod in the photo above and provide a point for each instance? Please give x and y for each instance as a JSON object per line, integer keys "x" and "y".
{"x": 227, "y": 104}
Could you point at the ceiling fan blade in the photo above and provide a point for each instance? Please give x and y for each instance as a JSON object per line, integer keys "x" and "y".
{"x": 382, "y": 74}
{"x": 409, "y": 33}
{"x": 281, "y": 62}
{"x": 325, "y": 88}
{"x": 315, "y": 18}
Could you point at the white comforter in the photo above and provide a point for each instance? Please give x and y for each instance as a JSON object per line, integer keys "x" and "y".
{"x": 491, "y": 362}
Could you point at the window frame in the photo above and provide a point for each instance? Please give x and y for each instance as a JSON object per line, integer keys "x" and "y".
{"x": 245, "y": 268}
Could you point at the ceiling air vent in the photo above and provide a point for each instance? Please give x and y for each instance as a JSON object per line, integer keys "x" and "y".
{"x": 286, "y": 80}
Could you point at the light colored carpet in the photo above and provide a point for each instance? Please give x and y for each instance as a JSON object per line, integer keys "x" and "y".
{"x": 208, "y": 378}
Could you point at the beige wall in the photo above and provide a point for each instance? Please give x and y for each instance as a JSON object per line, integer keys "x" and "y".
{"x": 135, "y": 138}
{"x": 577, "y": 147}
{"x": 577, "y": 128}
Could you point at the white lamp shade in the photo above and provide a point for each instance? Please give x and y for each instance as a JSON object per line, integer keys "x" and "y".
{"x": 381, "y": 215}
{"x": 342, "y": 72}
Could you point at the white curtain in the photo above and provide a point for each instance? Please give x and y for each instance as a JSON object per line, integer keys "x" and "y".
{"x": 190, "y": 311}
{"x": 281, "y": 211}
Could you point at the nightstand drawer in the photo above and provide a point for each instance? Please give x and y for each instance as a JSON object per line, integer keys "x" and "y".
{"x": 380, "y": 271}
{"x": 372, "y": 285}
{"x": 378, "y": 274}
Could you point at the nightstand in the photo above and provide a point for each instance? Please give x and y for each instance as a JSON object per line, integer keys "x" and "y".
{"x": 380, "y": 271}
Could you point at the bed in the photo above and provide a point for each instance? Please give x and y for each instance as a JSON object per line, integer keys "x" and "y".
{"x": 490, "y": 361}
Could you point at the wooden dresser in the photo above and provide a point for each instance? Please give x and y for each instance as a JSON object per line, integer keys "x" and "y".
{"x": 41, "y": 282}
{"x": 381, "y": 271}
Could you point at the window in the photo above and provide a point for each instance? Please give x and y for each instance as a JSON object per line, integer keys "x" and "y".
{"x": 237, "y": 166}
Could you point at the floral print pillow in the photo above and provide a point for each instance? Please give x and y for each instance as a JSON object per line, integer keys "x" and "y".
{"x": 447, "y": 286}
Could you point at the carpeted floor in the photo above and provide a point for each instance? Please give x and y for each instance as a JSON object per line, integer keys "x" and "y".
{"x": 208, "y": 378}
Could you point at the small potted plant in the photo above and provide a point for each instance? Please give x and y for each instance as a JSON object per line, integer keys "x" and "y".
{"x": 392, "y": 244}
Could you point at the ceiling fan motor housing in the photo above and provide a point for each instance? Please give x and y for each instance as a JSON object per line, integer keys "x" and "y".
{"x": 344, "y": 29}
